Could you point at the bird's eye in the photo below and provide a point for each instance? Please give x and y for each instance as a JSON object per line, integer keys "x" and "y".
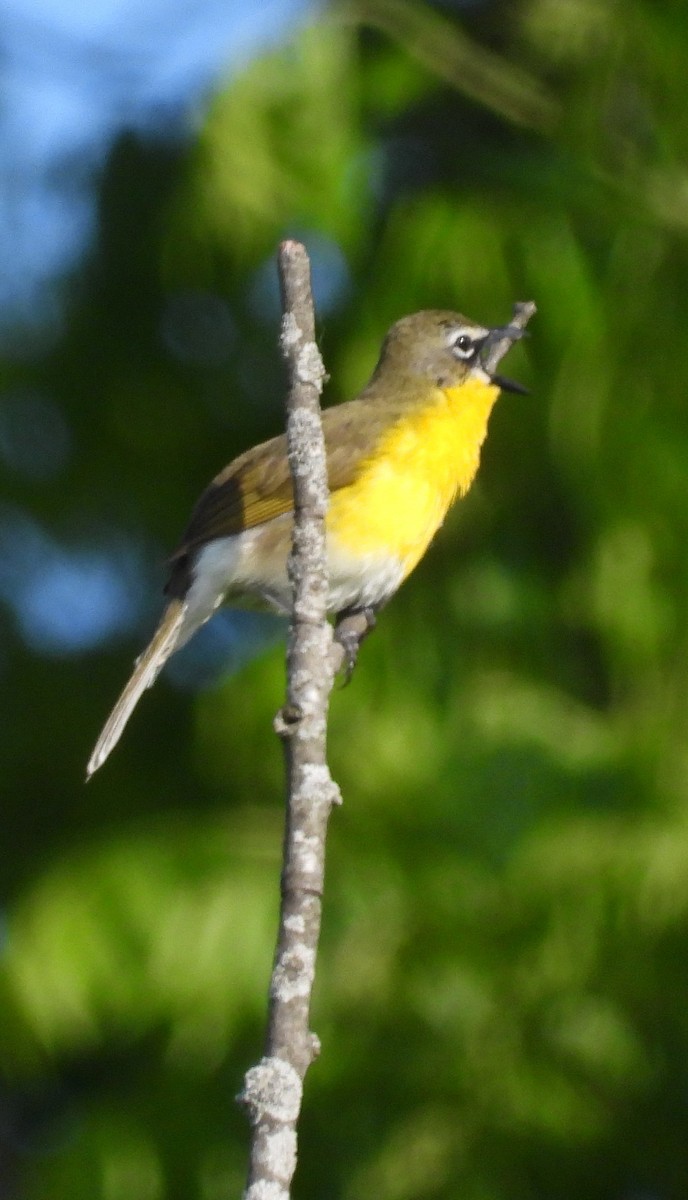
{"x": 464, "y": 346}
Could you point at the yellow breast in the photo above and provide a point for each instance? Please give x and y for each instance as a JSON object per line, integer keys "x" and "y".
{"x": 405, "y": 486}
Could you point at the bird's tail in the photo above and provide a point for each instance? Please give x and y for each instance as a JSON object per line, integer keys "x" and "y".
{"x": 146, "y": 671}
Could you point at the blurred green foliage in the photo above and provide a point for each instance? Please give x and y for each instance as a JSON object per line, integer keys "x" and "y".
{"x": 501, "y": 994}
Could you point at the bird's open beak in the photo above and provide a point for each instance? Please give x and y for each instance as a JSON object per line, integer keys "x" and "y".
{"x": 494, "y": 348}
{"x": 510, "y": 385}
{"x": 512, "y": 333}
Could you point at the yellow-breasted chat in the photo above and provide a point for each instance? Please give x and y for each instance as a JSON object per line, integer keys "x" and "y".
{"x": 397, "y": 457}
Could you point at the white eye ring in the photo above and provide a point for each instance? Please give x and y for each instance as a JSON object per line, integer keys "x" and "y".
{"x": 464, "y": 346}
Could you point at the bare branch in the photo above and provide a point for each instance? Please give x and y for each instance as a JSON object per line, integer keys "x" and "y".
{"x": 523, "y": 311}
{"x": 273, "y": 1088}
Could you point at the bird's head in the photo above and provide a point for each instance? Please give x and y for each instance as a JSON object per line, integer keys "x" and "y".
{"x": 447, "y": 349}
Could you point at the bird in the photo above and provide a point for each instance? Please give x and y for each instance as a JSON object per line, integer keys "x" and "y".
{"x": 398, "y": 455}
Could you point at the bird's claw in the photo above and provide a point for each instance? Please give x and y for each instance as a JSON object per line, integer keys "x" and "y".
{"x": 350, "y": 630}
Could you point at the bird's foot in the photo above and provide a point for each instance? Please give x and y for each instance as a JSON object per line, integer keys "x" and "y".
{"x": 351, "y": 627}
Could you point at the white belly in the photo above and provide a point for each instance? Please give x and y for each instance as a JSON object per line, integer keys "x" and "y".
{"x": 249, "y": 570}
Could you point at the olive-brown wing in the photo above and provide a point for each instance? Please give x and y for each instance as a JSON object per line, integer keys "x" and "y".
{"x": 256, "y": 486}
